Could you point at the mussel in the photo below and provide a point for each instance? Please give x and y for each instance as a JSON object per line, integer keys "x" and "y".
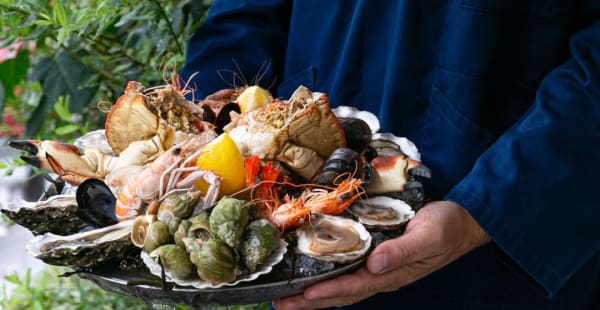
{"x": 343, "y": 162}
{"x": 96, "y": 203}
{"x": 217, "y": 113}
{"x": 358, "y": 133}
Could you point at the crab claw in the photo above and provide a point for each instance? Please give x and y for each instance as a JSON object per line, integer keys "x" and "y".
{"x": 416, "y": 168}
{"x": 61, "y": 158}
{"x": 33, "y": 147}
{"x": 393, "y": 173}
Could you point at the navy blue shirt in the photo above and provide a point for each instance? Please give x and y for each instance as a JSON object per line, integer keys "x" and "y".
{"x": 502, "y": 97}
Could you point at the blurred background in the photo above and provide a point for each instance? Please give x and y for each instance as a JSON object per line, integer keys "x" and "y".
{"x": 62, "y": 65}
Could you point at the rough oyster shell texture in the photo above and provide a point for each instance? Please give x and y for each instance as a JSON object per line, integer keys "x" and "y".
{"x": 85, "y": 249}
{"x": 55, "y": 215}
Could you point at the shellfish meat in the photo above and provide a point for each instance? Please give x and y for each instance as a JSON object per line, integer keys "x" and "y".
{"x": 333, "y": 239}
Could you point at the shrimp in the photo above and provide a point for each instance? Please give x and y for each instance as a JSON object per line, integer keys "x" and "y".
{"x": 294, "y": 212}
{"x": 172, "y": 172}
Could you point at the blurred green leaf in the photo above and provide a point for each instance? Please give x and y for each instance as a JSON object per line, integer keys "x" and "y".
{"x": 59, "y": 14}
{"x": 67, "y": 129}
{"x": 62, "y": 109}
{"x": 13, "y": 72}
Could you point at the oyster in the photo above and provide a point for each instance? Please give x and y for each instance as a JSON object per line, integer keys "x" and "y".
{"x": 381, "y": 212}
{"x": 57, "y": 215}
{"x": 352, "y": 112}
{"x": 387, "y": 144}
{"x": 85, "y": 249}
{"x": 333, "y": 239}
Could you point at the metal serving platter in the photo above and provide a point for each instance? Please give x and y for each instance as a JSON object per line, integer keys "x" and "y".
{"x": 150, "y": 289}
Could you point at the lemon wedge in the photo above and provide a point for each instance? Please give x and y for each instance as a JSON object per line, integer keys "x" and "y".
{"x": 223, "y": 157}
{"x": 253, "y": 98}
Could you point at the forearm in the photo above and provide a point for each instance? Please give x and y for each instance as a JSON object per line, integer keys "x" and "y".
{"x": 533, "y": 190}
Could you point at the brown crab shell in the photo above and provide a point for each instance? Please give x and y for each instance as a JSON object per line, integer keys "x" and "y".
{"x": 130, "y": 119}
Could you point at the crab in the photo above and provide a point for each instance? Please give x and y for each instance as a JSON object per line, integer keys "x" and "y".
{"x": 300, "y": 132}
{"x": 140, "y": 126}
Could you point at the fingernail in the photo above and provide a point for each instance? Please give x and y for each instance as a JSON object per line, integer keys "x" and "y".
{"x": 378, "y": 263}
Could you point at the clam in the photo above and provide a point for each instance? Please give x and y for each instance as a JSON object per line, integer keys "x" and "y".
{"x": 57, "y": 215}
{"x": 381, "y": 212}
{"x": 333, "y": 239}
{"x": 85, "y": 249}
{"x": 258, "y": 241}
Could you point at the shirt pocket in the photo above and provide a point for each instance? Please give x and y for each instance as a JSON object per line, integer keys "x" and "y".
{"x": 545, "y": 9}
{"x": 304, "y": 77}
{"x": 451, "y": 142}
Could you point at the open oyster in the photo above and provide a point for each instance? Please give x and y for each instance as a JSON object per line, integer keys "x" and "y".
{"x": 57, "y": 215}
{"x": 334, "y": 239}
{"x": 381, "y": 212}
{"x": 85, "y": 249}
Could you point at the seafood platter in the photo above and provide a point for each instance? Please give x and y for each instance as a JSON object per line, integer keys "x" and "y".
{"x": 237, "y": 198}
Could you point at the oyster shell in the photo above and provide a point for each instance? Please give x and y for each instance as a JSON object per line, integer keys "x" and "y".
{"x": 85, "y": 249}
{"x": 333, "y": 239}
{"x": 352, "y": 112}
{"x": 57, "y": 215}
{"x": 381, "y": 212}
{"x": 387, "y": 144}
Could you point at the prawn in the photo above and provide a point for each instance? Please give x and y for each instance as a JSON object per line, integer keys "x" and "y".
{"x": 172, "y": 172}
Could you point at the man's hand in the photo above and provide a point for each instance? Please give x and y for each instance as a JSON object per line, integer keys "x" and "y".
{"x": 440, "y": 232}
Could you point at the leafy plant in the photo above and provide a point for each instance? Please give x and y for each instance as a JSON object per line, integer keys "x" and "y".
{"x": 49, "y": 291}
{"x": 70, "y": 55}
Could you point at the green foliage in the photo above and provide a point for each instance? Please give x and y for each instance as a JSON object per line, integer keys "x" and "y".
{"x": 85, "y": 52}
{"x": 49, "y": 291}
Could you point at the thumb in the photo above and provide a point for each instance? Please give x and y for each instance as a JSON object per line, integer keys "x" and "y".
{"x": 398, "y": 252}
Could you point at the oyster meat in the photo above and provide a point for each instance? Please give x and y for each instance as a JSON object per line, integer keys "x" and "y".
{"x": 333, "y": 239}
{"x": 381, "y": 212}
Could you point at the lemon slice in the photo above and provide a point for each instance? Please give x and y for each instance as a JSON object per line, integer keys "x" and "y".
{"x": 253, "y": 98}
{"x": 223, "y": 157}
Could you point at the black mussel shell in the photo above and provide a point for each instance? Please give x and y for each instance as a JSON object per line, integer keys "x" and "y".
{"x": 208, "y": 115}
{"x": 358, "y": 133}
{"x": 341, "y": 161}
{"x": 96, "y": 203}
{"x": 413, "y": 194}
{"x": 223, "y": 117}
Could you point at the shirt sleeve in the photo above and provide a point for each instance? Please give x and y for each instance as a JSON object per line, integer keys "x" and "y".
{"x": 240, "y": 43}
{"x": 535, "y": 191}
